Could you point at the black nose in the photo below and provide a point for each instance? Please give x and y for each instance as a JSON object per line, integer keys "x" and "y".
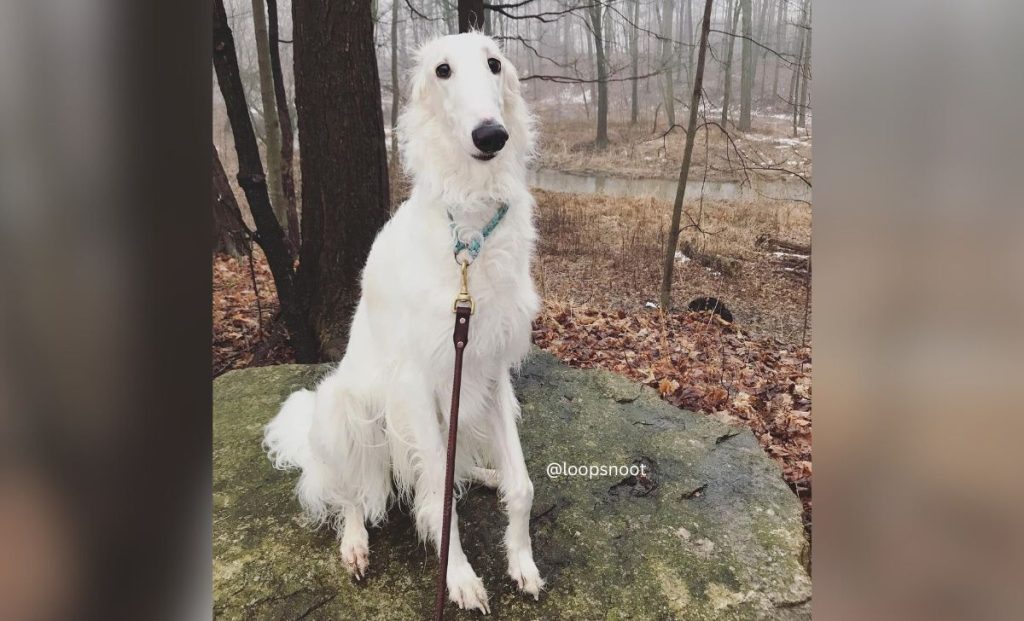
{"x": 490, "y": 137}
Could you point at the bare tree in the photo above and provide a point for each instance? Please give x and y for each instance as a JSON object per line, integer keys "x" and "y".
{"x": 780, "y": 32}
{"x": 596, "y": 27}
{"x": 747, "y": 66}
{"x": 285, "y": 121}
{"x": 686, "y": 25}
{"x": 634, "y": 54}
{"x": 269, "y": 233}
{"x": 271, "y": 123}
{"x": 666, "y": 61}
{"x": 805, "y": 67}
{"x": 795, "y": 91}
{"x": 230, "y": 235}
{"x": 684, "y": 171}
{"x": 731, "y": 42}
{"x": 344, "y": 158}
{"x": 471, "y": 15}
{"x": 762, "y": 52}
{"x": 394, "y": 81}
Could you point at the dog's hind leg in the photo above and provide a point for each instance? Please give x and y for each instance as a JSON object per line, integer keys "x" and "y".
{"x": 516, "y": 490}
{"x": 418, "y": 454}
{"x": 351, "y": 468}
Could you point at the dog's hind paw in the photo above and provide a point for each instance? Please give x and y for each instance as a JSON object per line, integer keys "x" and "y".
{"x": 466, "y": 589}
{"x": 523, "y": 570}
{"x": 355, "y": 556}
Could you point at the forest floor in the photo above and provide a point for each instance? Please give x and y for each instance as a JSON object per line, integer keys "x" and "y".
{"x": 637, "y": 152}
{"x": 607, "y": 252}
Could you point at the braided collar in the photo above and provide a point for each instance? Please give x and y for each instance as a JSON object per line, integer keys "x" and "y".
{"x": 474, "y": 246}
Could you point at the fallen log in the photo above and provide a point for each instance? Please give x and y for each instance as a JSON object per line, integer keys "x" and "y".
{"x": 774, "y": 243}
{"x": 719, "y": 263}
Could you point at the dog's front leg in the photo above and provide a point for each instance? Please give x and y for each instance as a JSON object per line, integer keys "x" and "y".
{"x": 516, "y": 491}
{"x": 412, "y": 404}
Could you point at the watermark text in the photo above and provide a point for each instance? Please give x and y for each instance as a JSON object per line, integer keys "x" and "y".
{"x": 557, "y": 470}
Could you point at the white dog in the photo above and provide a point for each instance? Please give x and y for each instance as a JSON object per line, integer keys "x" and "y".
{"x": 466, "y": 136}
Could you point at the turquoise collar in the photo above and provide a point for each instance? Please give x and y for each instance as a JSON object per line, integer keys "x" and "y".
{"x": 474, "y": 246}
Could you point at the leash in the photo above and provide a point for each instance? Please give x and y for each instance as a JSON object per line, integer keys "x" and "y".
{"x": 463, "y": 307}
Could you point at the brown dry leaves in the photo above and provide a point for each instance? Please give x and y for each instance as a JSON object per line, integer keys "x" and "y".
{"x": 239, "y": 341}
{"x": 695, "y": 362}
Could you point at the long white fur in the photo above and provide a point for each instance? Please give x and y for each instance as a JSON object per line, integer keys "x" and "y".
{"x": 382, "y": 415}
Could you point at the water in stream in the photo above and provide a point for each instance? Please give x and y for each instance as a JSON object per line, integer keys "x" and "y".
{"x": 665, "y": 189}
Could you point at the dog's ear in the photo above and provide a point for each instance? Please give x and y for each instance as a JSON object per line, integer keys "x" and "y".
{"x": 417, "y": 86}
{"x": 418, "y": 77}
{"x": 510, "y": 79}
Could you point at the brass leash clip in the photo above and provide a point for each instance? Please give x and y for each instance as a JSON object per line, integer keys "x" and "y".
{"x": 464, "y": 299}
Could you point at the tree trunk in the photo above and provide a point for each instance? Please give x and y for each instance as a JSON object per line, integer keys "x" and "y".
{"x": 780, "y": 32}
{"x": 761, "y": 54}
{"x": 592, "y": 85}
{"x": 634, "y": 53}
{"x": 271, "y": 123}
{"x": 287, "y": 134}
{"x": 253, "y": 182}
{"x": 688, "y": 40}
{"x": 344, "y": 159}
{"x": 601, "y": 141}
{"x": 567, "y": 42}
{"x": 230, "y": 232}
{"x": 394, "y": 83}
{"x": 728, "y": 66}
{"x": 668, "y": 93}
{"x": 794, "y": 84}
{"x": 794, "y": 88}
{"x": 684, "y": 171}
{"x": 747, "y": 68}
{"x": 805, "y": 70}
{"x": 471, "y": 15}
{"x": 450, "y": 15}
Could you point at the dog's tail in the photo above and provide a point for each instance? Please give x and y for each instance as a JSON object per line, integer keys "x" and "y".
{"x": 286, "y": 438}
{"x": 288, "y": 444}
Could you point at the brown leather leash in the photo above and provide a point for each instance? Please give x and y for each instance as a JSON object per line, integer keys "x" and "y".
{"x": 464, "y": 307}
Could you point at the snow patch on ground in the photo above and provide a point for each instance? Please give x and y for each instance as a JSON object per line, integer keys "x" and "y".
{"x": 791, "y": 255}
{"x": 791, "y": 142}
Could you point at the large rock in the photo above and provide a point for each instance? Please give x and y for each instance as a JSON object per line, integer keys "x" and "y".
{"x": 609, "y": 547}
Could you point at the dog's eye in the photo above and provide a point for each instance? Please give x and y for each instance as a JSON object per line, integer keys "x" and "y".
{"x": 494, "y": 64}
{"x": 443, "y": 71}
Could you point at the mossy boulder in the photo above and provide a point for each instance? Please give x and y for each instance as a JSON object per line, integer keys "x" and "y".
{"x": 712, "y": 533}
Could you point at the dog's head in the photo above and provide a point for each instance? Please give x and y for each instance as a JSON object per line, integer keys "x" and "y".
{"x": 465, "y": 103}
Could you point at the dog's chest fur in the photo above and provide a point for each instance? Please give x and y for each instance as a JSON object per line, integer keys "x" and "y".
{"x": 420, "y": 270}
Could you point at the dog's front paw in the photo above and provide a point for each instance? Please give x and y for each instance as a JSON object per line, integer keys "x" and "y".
{"x": 466, "y": 589}
{"x": 523, "y": 570}
{"x": 355, "y": 555}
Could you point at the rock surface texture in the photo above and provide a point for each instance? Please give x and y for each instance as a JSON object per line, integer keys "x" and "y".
{"x": 712, "y": 533}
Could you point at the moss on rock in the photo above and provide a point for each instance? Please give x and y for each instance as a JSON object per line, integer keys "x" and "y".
{"x": 609, "y": 547}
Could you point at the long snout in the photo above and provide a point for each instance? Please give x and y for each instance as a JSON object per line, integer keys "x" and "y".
{"x": 489, "y": 137}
